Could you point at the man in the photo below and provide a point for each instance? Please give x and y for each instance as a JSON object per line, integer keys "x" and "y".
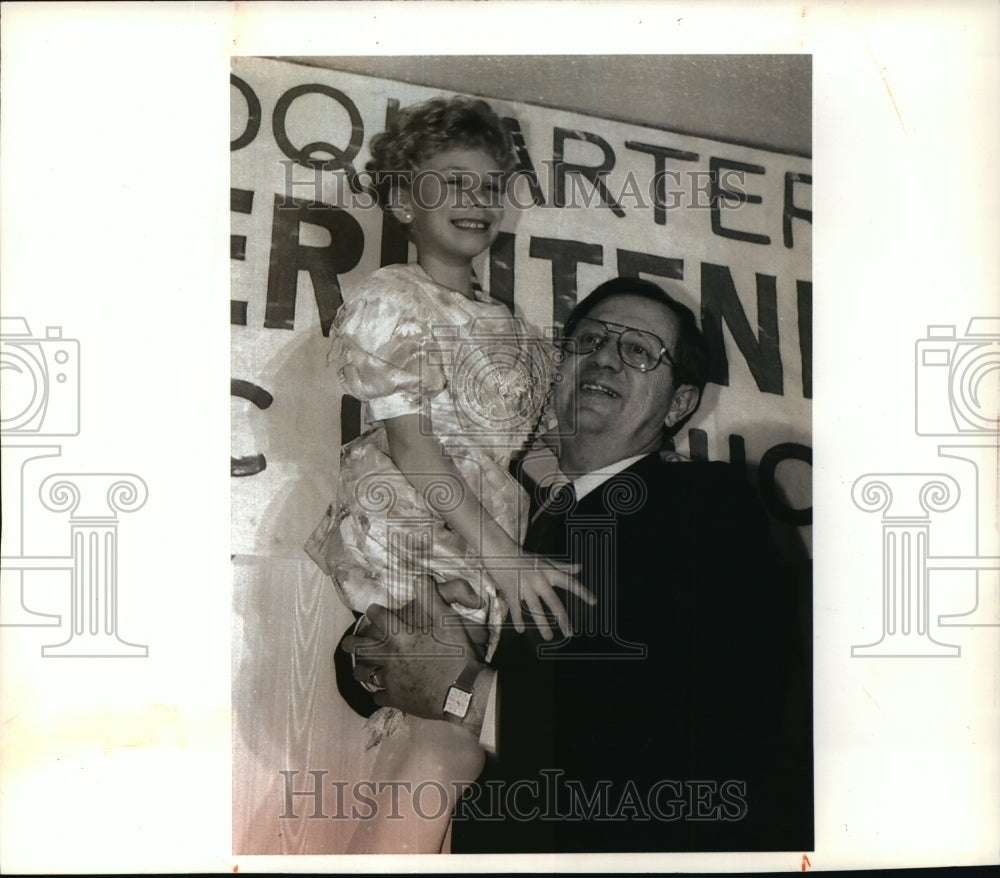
{"x": 676, "y": 717}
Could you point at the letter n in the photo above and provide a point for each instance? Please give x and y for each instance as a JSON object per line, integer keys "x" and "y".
{"x": 720, "y": 304}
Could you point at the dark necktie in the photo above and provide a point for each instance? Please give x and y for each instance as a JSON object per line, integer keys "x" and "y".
{"x": 547, "y": 530}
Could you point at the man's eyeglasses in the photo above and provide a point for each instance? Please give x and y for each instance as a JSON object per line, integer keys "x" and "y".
{"x": 637, "y": 348}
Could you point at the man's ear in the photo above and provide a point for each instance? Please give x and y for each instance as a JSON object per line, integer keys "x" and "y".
{"x": 685, "y": 401}
{"x": 401, "y": 204}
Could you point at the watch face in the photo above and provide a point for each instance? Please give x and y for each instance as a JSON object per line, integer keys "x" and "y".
{"x": 457, "y": 702}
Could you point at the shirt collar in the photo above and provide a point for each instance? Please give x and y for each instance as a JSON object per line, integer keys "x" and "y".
{"x": 588, "y": 482}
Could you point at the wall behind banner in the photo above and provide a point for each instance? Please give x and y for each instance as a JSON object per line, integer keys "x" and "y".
{"x": 727, "y": 228}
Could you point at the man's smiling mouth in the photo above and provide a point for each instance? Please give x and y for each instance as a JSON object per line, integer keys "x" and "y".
{"x": 594, "y": 387}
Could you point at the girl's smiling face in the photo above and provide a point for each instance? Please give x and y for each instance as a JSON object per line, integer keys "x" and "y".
{"x": 455, "y": 205}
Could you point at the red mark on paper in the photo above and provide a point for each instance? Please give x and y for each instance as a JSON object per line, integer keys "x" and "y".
{"x": 805, "y": 862}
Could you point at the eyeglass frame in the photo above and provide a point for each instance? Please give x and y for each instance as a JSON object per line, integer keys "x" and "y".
{"x": 619, "y": 329}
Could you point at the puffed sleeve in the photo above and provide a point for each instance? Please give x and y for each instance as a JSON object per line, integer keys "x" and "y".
{"x": 378, "y": 348}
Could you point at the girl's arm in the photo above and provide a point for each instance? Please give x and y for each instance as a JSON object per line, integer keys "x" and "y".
{"x": 418, "y": 455}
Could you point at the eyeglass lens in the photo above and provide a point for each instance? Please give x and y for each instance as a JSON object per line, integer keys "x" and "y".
{"x": 637, "y": 348}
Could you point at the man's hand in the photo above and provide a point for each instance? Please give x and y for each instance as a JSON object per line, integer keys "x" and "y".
{"x": 417, "y": 652}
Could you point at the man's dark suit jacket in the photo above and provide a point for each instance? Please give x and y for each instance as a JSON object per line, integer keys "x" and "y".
{"x": 678, "y": 718}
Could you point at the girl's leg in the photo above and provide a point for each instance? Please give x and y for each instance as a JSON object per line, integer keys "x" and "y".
{"x": 417, "y": 781}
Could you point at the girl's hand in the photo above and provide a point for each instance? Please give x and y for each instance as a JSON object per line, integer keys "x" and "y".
{"x": 535, "y": 587}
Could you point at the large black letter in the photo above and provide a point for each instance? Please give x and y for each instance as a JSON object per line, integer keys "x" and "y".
{"x": 588, "y": 172}
{"x": 564, "y": 255}
{"x": 770, "y": 492}
{"x": 250, "y": 464}
{"x": 340, "y": 159}
{"x": 804, "y": 294}
{"x": 253, "y": 114}
{"x": 525, "y": 167}
{"x": 240, "y": 201}
{"x": 289, "y": 257}
{"x": 720, "y": 302}
{"x": 502, "y": 269}
{"x": 659, "y": 192}
{"x": 791, "y": 211}
{"x": 632, "y": 263}
{"x": 720, "y": 192}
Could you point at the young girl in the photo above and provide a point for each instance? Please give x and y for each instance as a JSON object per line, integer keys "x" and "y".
{"x": 454, "y": 385}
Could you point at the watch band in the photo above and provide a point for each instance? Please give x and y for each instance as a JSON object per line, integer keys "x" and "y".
{"x": 467, "y": 679}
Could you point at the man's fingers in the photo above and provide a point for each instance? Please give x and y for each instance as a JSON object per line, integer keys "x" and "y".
{"x": 556, "y": 608}
{"x": 377, "y": 616}
{"x": 458, "y": 591}
{"x": 361, "y": 671}
{"x": 375, "y": 640}
{"x": 352, "y": 643}
{"x": 515, "y": 617}
{"x": 538, "y": 615}
{"x": 562, "y": 618}
{"x": 572, "y": 585}
{"x": 565, "y": 566}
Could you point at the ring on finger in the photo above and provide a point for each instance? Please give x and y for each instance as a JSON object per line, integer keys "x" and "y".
{"x": 373, "y": 683}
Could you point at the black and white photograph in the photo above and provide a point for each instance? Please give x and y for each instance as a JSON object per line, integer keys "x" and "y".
{"x": 549, "y": 373}
{"x": 610, "y": 397}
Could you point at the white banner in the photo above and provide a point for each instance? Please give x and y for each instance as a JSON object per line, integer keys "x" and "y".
{"x": 725, "y": 227}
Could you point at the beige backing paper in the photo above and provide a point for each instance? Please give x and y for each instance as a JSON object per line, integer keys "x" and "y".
{"x": 115, "y": 226}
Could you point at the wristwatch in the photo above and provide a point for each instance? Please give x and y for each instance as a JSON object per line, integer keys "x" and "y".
{"x": 459, "y": 697}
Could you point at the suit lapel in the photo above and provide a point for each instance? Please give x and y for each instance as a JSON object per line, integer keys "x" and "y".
{"x": 547, "y": 530}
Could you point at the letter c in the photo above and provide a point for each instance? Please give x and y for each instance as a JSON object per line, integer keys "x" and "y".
{"x": 253, "y": 463}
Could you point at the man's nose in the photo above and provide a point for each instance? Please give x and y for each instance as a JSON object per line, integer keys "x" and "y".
{"x": 606, "y": 356}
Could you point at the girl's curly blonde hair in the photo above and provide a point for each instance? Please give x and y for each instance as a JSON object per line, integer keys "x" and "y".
{"x": 423, "y": 130}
